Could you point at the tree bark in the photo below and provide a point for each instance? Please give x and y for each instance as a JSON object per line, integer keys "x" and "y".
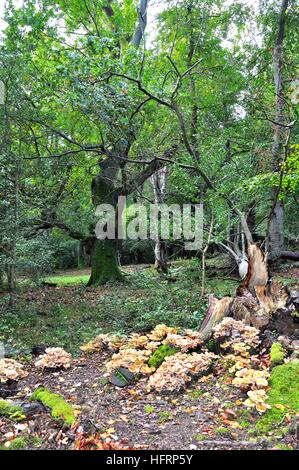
{"x": 104, "y": 263}
{"x": 159, "y": 182}
{"x": 274, "y": 238}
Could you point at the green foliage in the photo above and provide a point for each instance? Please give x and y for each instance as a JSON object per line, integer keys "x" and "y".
{"x": 60, "y": 409}
{"x": 12, "y": 412}
{"x": 284, "y": 383}
{"x": 160, "y": 354}
{"x": 277, "y": 353}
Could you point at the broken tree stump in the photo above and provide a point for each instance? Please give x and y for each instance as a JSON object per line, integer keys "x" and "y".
{"x": 257, "y": 298}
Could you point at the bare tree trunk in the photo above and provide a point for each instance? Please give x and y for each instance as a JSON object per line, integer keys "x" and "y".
{"x": 142, "y": 22}
{"x": 274, "y": 239}
{"x": 203, "y": 257}
{"x": 159, "y": 183}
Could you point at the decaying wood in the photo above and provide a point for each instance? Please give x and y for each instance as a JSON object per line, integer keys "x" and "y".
{"x": 217, "y": 310}
{"x": 257, "y": 298}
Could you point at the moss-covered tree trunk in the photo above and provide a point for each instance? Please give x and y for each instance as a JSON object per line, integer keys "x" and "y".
{"x": 104, "y": 263}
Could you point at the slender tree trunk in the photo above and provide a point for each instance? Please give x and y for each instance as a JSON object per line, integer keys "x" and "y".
{"x": 203, "y": 257}
{"x": 274, "y": 239}
{"x": 161, "y": 256}
{"x": 159, "y": 182}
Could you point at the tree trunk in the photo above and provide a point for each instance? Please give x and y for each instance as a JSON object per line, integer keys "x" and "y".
{"x": 104, "y": 264}
{"x": 274, "y": 239}
{"x": 159, "y": 183}
{"x": 161, "y": 256}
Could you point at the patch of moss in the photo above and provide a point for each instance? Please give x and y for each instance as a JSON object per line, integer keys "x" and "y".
{"x": 222, "y": 431}
{"x": 195, "y": 394}
{"x": 21, "y": 443}
{"x": 149, "y": 409}
{"x": 283, "y": 447}
{"x": 200, "y": 437}
{"x": 284, "y": 383}
{"x": 277, "y": 354}
{"x": 211, "y": 345}
{"x": 13, "y": 412}
{"x": 245, "y": 424}
{"x": 60, "y": 409}
{"x": 159, "y": 355}
{"x": 164, "y": 416}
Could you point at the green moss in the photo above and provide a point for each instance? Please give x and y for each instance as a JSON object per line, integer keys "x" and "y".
{"x": 60, "y": 409}
{"x": 149, "y": 409}
{"x": 284, "y": 383}
{"x": 13, "y": 412}
{"x": 245, "y": 424}
{"x": 195, "y": 394}
{"x": 21, "y": 443}
{"x": 211, "y": 345}
{"x": 277, "y": 354}
{"x": 159, "y": 355}
{"x": 222, "y": 431}
{"x": 283, "y": 447}
{"x": 164, "y": 416}
{"x": 200, "y": 437}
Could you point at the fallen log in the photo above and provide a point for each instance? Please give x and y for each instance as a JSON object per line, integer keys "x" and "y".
{"x": 291, "y": 255}
{"x": 257, "y": 298}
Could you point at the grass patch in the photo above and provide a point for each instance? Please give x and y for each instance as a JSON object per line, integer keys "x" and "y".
{"x": 70, "y": 316}
{"x": 68, "y": 280}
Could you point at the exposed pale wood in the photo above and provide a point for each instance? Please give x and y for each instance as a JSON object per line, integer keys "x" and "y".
{"x": 256, "y": 299}
{"x": 217, "y": 310}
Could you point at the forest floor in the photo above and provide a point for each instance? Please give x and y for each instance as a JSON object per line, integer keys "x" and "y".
{"x": 208, "y": 415}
